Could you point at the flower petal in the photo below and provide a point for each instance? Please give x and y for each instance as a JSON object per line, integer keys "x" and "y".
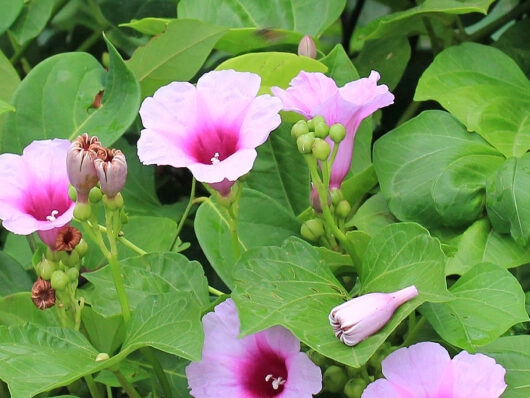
{"x": 230, "y": 168}
{"x": 261, "y": 118}
{"x": 306, "y": 92}
{"x": 418, "y": 369}
{"x": 305, "y": 378}
{"x": 477, "y": 376}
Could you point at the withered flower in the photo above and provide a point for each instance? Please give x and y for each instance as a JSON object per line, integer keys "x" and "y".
{"x": 42, "y": 294}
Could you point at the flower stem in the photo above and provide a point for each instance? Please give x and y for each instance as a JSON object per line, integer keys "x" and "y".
{"x": 129, "y": 389}
{"x": 92, "y": 387}
{"x": 159, "y": 371}
{"x": 215, "y": 292}
{"x": 190, "y": 204}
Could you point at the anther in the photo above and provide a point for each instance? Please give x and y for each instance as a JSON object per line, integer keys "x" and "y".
{"x": 52, "y": 216}
{"x": 215, "y": 158}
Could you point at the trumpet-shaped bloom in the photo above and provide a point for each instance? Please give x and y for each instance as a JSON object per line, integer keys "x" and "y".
{"x": 360, "y": 317}
{"x": 265, "y": 364}
{"x": 425, "y": 370}
{"x": 34, "y": 194}
{"x": 212, "y": 128}
{"x": 312, "y": 94}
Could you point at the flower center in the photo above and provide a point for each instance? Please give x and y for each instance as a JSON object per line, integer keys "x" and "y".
{"x": 52, "y": 217}
{"x": 215, "y": 158}
{"x": 265, "y": 375}
{"x": 276, "y": 382}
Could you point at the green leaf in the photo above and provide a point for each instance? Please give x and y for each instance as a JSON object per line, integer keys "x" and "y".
{"x": 432, "y": 171}
{"x": 404, "y": 254}
{"x": 506, "y": 195}
{"x": 10, "y": 79}
{"x": 293, "y": 287}
{"x": 148, "y": 26}
{"x": 144, "y": 276}
{"x": 275, "y": 68}
{"x": 484, "y": 89}
{"x": 5, "y": 107}
{"x": 117, "y": 11}
{"x": 55, "y": 101}
{"x": 105, "y": 333}
{"x": 340, "y": 67}
{"x": 412, "y": 20}
{"x": 243, "y": 40}
{"x": 480, "y": 243}
{"x": 10, "y": 11}
{"x": 37, "y": 359}
{"x": 169, "y": 322}
{"x": 294, "y": 15}
{"x": 388, "y": 56}
{"x": 280, "y": 171}
{"x": 175, "y": 55}
{"x": 262, "y": 221}
{"x": 18, "y": 309}
{"x": 13, "y": 277}
{"x": 488, "y": 300}
{"x": 32, "y": 20}
{"x": 372, "y": 215}
{"x": 513, "y": 353}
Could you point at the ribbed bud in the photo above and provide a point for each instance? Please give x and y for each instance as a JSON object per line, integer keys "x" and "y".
{"x": 337, "y": 133}
{"x": 320, "y": 149}
{"x": 305, "y": 142}
{"x": 299, "y": 128}
{"x": 359, "y": 318}
{"x": 334, "y": 378}
{"x": 307, "y": 47}
{"x": 312, "y": 230}
{"x": 80, "y": 165}
{"x": 111, "y": 169}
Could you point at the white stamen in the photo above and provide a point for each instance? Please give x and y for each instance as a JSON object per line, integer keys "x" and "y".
{"x": 215, "y": 158}
{"x": 276, "y": 381}
{"x": 52, "y": 216}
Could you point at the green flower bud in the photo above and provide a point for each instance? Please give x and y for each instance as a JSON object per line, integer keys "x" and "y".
{"x": 72, "y": 193}
{"x": 46, "y": 268}
{"x": 113, "y": 203}
{"x": 59, "y": 280}
{"x": 336, "y": 196}
{"x": 95, "y": 195}
{"x": 102, "y": 356}
{"x": 320, "y": 149}
{"x": 305, "y": 142}
{"x": 72, "y": 274}
{"x": 299, "y": 128}
{"x": 312, "y": 230}
{"x": 354, "y": 388}
{"x": 321, "y": 129}
{"x": 337, "y": 133}
{"x": 342, "y": 209}
{"x": 82, "y": 211}
{"x": 316, "y": 120}
{"x": 334, "y": 379}
{"x": 69, "y": 259}
{"x": 353, "y": 372}
{"x": 82, "y": 248}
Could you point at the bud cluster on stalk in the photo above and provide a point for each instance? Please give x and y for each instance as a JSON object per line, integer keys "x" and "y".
{"x": 96, "y": 173}
{"x": 58, "y": 270}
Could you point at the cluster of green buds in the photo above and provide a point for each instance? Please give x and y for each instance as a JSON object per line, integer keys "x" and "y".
{"x": 319, "y": 144}
{"x": 349, "y": 381}
{"x": 58, "y": 273}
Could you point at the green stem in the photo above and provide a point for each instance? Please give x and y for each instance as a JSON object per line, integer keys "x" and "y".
{"x": 215, "y": 292}
{"x": 90, "y": 41}
{"x": 159, "y": 371}
{"x": 32, "y": 242}
{"x": 92, "y": 387}
{"x": 414, "y": 329}
{"x": 500, "y": 22}
{"x": 411, "y": 110}
{"x": 124, "y": 241}
{"x": 129, "y": 389}
{"x": 187, "y": 210}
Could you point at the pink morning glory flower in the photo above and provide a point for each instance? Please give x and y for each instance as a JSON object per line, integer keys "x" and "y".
{"x": 425, "y": 370}
{"x": 34, "y": 194}
{"x": 360, "y": 317}
{"x": 265, "y": 364}
{"x": 312, "y": 94}
{"x": 212, "y": 128}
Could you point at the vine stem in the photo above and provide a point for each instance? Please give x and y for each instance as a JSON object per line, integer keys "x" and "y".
{"x": 92, "y": 387}
{"x": 129, "y": 389}
{"x": 187, "y": 210}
